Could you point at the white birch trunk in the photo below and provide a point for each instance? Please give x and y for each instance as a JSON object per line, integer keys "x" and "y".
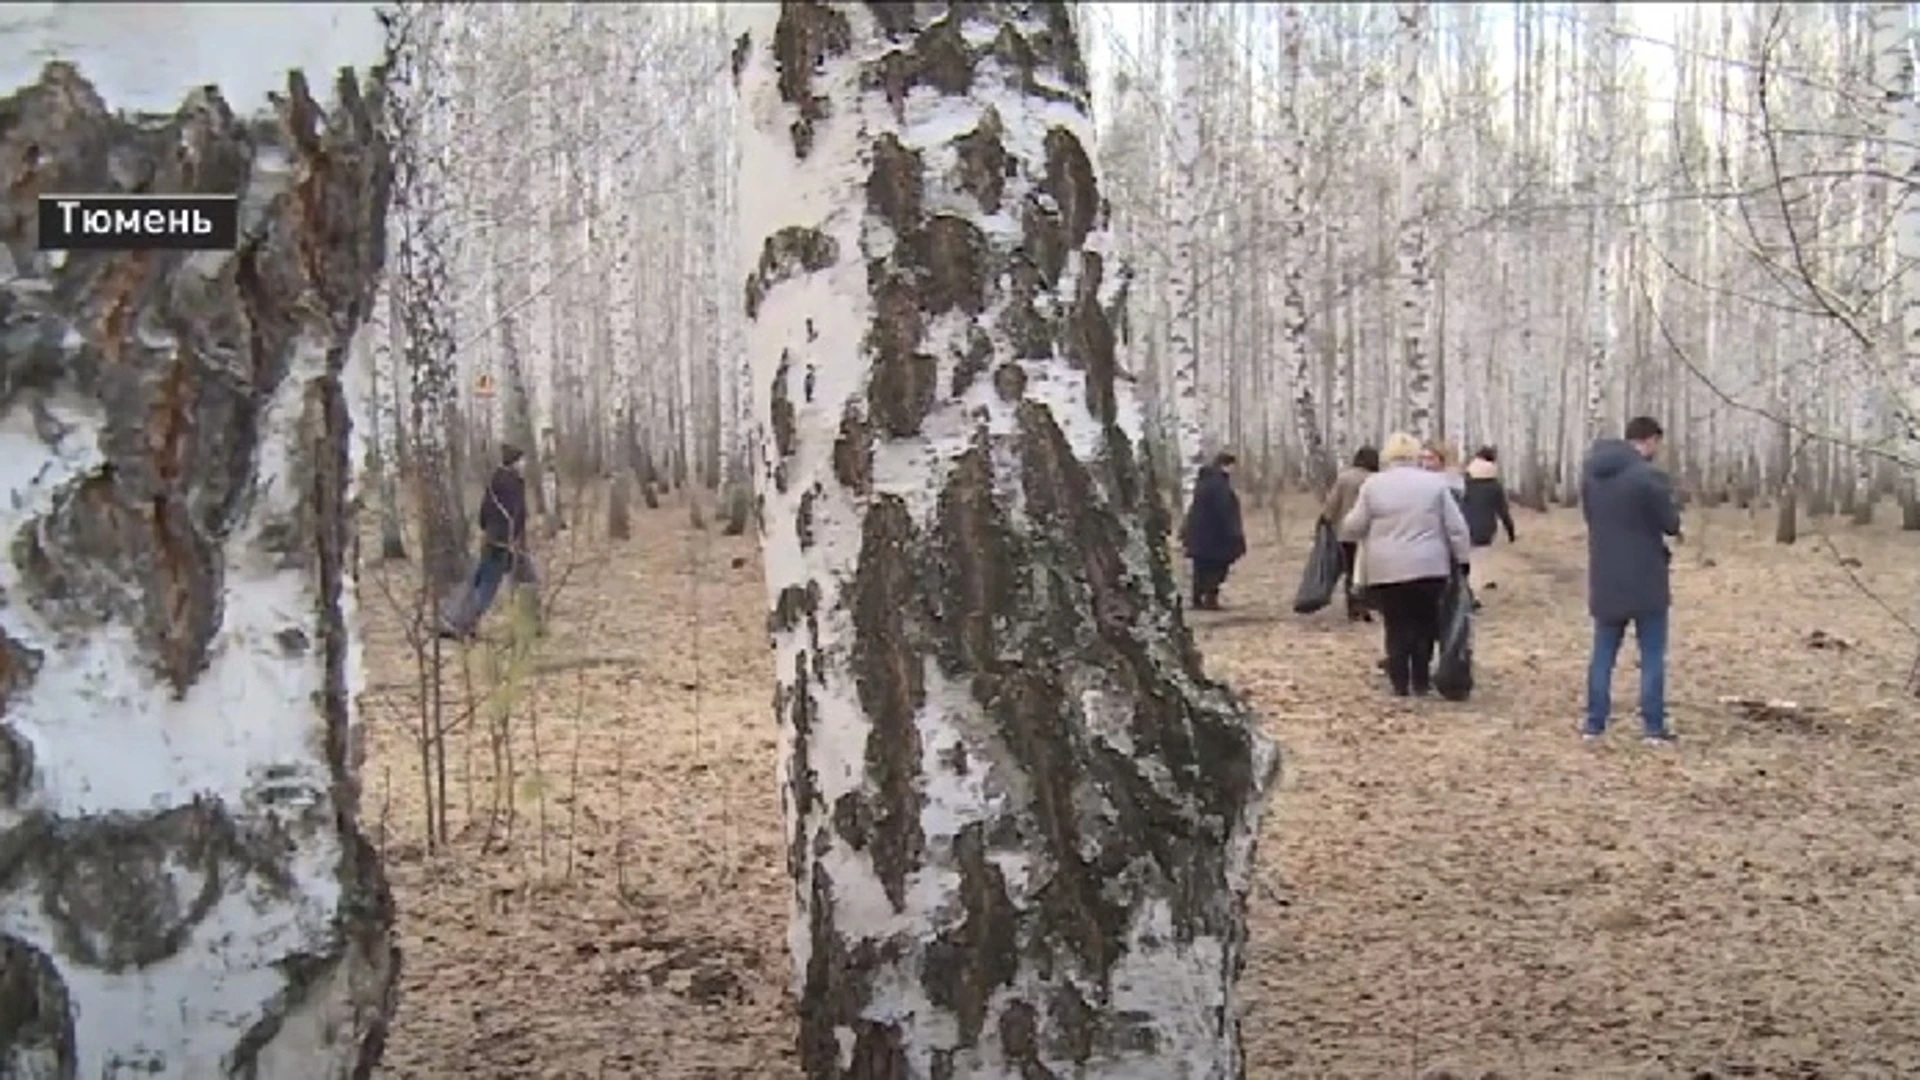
{"x": 184, "y": 889}
{"x": 980, "y": 888}
{"x": 1415, "y": 281}
{"x": 1296, "y": 359}
{"x": 1893, "y": 55}
{"x": 1190, "y": 410}
{"x": 1603, "y": 329}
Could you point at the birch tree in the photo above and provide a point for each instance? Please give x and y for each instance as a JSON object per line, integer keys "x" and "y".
{"x": 1183, "y": 324}
{"x": 1416, "y": 284}
{"x": 999, "y": 867}
{"x": 1295, "y": 357}
{"x": 184, "y": 889}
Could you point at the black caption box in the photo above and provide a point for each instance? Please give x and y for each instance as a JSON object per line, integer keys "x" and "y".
{"x": 139, "y": 222}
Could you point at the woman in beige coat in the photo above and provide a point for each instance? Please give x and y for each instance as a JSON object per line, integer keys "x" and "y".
{"x": 1413, "y": 538}
{"x": 1340, "y": 499}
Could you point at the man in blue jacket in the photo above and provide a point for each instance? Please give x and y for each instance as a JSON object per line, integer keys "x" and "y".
{"x": 1630, "y": 512}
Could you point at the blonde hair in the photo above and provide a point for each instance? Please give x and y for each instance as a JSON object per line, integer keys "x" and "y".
{"x": 1399, "y": 447}
{"x": 1440, "y": 449}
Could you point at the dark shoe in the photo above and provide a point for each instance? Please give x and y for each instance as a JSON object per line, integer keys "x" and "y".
{"x": 1422, "y": 691}
{"x": 1400, "y": 691}
{"x": 1663, "y": 738}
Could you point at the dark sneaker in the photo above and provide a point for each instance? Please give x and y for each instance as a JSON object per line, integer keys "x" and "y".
{"x": 1664, "y": 738}
{"x": 1587, "y": 735}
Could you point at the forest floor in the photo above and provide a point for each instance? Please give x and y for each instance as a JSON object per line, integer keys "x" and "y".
{"x": 1457, "y": 885}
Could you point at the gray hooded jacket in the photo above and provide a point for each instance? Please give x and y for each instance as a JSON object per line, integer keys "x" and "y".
{"x": 1630, "y": 511}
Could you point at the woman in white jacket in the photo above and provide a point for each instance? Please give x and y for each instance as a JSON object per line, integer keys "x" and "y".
{"x": 1412, "y": 537}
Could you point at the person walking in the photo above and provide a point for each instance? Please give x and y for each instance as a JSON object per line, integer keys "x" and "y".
{"x": 1414, "y": 537}
{"x": 1214, "y": 535}
{"x": 503, "y": 548}
{"x": 1484, "y": 502}
{"x": 1339, "y": 500}
{"x": 1629, "y": 509}
{"x": 1437, "y": 456}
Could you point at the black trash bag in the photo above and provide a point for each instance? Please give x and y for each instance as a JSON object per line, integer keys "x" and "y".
{"x": 1322, "y": 574}
{"x": 1453, "y": 672}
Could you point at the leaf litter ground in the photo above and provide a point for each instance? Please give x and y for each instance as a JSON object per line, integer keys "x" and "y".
{"x": 1460, "y": 887}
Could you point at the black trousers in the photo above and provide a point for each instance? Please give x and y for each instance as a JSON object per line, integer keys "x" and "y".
{"x": 1356, "y": 605}
{"x": 1208, "y": 576}
{"x": 1411, "y": 610}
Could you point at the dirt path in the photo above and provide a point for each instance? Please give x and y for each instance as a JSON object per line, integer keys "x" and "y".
{"x": 1441, "y": 885}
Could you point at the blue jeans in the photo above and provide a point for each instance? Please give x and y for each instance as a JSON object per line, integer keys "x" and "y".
{"x": 1650, "y": 633}
{"x": 495, "y": 564}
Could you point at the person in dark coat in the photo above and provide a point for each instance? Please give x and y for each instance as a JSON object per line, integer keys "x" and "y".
{"x": 503, "y": 547}
{"x": 1630, "y": 512}
{"x": 1484, "y": 502}
{"x": 1214, "y": 536}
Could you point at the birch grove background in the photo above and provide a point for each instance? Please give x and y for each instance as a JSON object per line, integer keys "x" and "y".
{"x": 1513, "y": 224}
{"x": 1516, "y": 224}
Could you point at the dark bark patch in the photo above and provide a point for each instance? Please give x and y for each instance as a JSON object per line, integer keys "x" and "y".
{"x": 902, "y": 392}
{"x": 903, "y": 380}
{"x": 36, "y": 1015}
{"x": 1023, "y": 58}
{"x": 792, "y": 607}
{"x": 1062, "y": 498}
{"x": 742, "y": 47}
{"x": 971, "y": 360}
{"x": 1046, "y": 243}
{"x": 852, "y": 821}
{"x": 975, "y": 560}
{"x": 802, "y": 783}
{"x": 853, "y": 453}
{"x": 104, "y": 553}
{"x": 1073, "y": 1025}
{"x": 1019, "y": 1035}
{"x": 1076, "y": 914}
{"x": 945, "y": 61}
{"x": 787, "y": 254}
{"x": 1010, "y": 382}
{"x": 837, "y": 989}
{"x": 19, "y": 665}
{"x": 895, "y": 188}
{"x": 124, "y": 891}
{"x": 1070, "y": 182}
{"x": 1060, "y": 45}
{"x": 963, "y": 966}
{"x": 807, "y": 34}
{"x": 939, "y": 59}
{"x": 16, "y": 767}
{"x": 1027, "y": 331}
{"x": 891, "y": 684}
{"x": 895, "y": 18}
{"x": 950, "y": 256}
{"x": 803, "y": 516}
{"x": 781, "y": 422}
{"x": 984, "y": 161}
{"x": 1090, "y": 341}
